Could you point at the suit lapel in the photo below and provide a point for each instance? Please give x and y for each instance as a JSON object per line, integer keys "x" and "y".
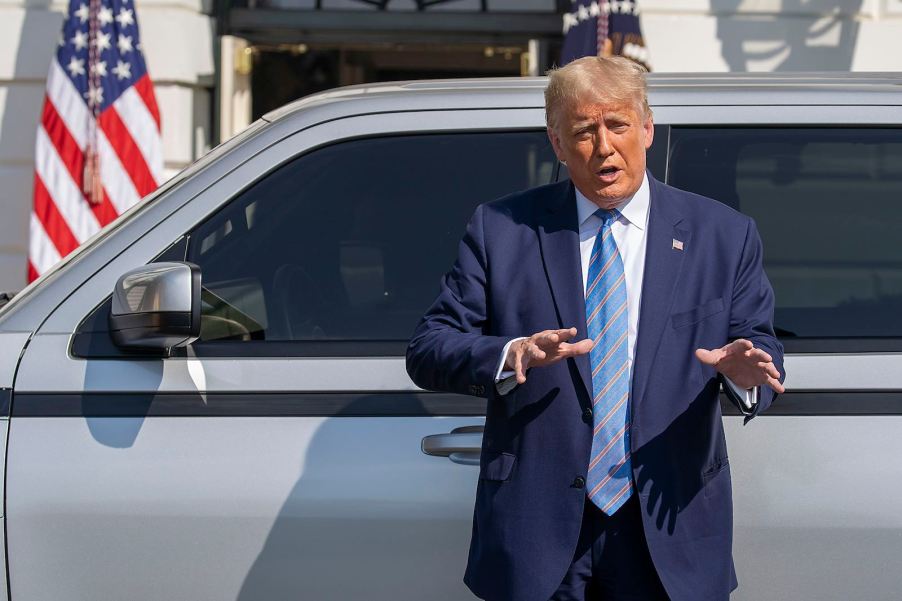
{"x": 558, "y": 230}
{"x": 662, "y": 269}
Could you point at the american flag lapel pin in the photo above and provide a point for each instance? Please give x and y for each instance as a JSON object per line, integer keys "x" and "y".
{"x": 677, "y": 244}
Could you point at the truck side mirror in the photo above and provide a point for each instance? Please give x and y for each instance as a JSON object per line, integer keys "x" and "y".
{"x": 157, "y": 306}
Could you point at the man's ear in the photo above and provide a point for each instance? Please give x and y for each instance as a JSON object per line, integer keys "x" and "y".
{"x": 649, "y": 127}
{"x": 555, "y": 142}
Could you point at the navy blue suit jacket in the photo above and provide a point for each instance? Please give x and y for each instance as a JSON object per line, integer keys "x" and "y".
{"x": 518, "y": 272}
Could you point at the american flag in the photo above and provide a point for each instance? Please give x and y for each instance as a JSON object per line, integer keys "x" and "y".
{"x": 99, "y": 149}
{"x": 604, "y": 28}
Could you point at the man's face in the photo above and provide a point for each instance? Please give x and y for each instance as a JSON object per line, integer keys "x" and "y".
{"x": 604, "y": 147}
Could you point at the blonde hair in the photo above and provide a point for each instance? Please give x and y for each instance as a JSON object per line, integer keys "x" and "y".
{"x": 613, "y": 80}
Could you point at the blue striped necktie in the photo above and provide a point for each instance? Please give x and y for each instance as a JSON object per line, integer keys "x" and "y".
{"x": 609, "y": 479}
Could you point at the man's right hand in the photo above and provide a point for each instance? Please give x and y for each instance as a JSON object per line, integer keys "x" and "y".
{"x": 543, "y": 348}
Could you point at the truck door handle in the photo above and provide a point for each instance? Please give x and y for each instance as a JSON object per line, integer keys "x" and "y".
{"x": 461, "y": 445}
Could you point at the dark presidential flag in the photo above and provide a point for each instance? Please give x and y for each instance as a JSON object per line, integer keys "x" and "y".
{"x": 604, "y": 28}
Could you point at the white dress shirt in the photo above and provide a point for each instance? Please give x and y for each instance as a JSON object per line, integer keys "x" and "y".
{"x": 630, "y": 234}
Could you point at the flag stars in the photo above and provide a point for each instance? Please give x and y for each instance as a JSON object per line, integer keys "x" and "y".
{"x": 122, "y": 70}
{"x": 570, "y": 20}
{"x": 624, "y": 7}
{"x": 94, "y": 96}
{"x": 80, "y": 39}
{"x": 102, "y": 41}
{"x": 125, "y": 17}
{"x": 99, "y": 68}
{"x": 76, "y": 67}
{"x": 124, "y": 44}
{"x": 105, "y": 15}
{"x": 82, "y": 13}
{"x": 596, "y": 8}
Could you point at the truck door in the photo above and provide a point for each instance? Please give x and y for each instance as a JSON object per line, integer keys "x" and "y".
{"x": 280, "y": 455}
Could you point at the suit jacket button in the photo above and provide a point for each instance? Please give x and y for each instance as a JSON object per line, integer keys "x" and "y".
{"x": 579, "y": 482}
{"x": 587, "y": 415}
{"x": 477, "y": 389}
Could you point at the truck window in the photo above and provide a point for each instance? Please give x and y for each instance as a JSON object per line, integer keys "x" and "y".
{"x": 826, "y": 202}
{"x": 348, "y": 242}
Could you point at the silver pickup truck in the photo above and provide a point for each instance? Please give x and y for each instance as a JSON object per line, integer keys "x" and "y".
{"x": 208, "y": 400}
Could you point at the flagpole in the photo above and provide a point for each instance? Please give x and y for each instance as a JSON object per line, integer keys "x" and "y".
{"x": 92, "y": 185}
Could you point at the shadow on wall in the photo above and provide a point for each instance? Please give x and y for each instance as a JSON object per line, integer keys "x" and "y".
{"x": 34, "y": 41}
{"x": 810, "y": 35}
{"x": 21, "y": 113}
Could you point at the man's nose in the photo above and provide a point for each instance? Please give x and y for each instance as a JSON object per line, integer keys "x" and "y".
{"x": 604, "y": 148}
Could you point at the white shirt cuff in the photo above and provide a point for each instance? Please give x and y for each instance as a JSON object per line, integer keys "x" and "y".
{"x": 505, "y": 379}
{"x": 748, "y": 396}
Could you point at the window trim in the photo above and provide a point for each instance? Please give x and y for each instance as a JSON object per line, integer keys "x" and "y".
{"x": 295, "y": 348}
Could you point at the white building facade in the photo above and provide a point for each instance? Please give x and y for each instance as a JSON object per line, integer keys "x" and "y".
{"x": 216, "y": 65}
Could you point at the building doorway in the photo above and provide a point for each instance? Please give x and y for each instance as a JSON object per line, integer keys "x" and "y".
{"x": 285, "y": 72}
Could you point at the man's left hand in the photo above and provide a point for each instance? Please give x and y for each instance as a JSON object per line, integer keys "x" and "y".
{"x": 744, "y": 364}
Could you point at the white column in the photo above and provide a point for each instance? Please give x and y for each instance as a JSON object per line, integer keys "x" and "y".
{"x": 236, "y": 62}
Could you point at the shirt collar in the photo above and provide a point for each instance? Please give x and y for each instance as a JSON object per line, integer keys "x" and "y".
{"x": 634, "y": 210}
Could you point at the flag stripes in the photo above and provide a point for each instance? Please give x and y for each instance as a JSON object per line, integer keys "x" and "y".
{"x": 142, "y": 126}
{"x": 46, "y": 254}
{"x": 63, "y": 189}
{"x": 125, "y": 133}
{"x": 50, "y": 219}
{"x": 128, "y": 152}
{"x": 144, "y": 87}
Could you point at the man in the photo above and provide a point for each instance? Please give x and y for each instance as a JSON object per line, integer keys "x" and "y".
{"x": 601, "y": 316}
